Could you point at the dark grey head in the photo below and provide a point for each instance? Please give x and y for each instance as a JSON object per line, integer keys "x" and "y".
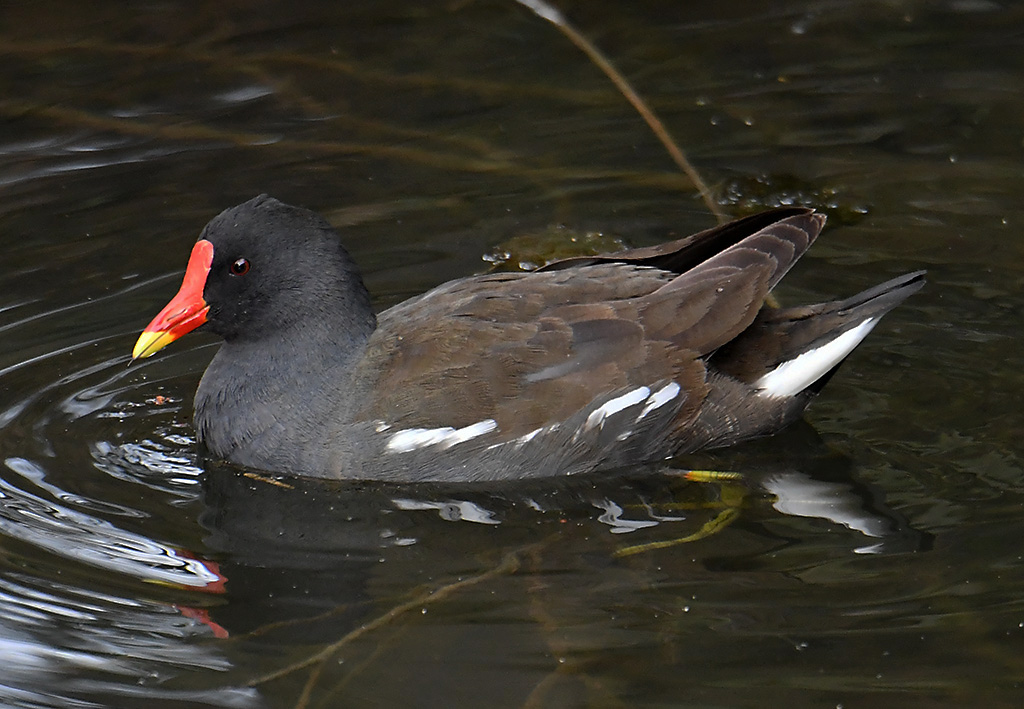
{"x": 275, "y": 268}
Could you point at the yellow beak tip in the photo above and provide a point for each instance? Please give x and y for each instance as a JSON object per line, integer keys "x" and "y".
{"x": 149, "y": 343}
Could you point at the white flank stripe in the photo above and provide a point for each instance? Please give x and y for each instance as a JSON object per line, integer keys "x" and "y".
{"x": 411, "y": 439}
{"x": 523, "y": 440}
{"x": 472, "y": 431}
{"x": 614, "y": 406}
{"x": 659, "y": 398}
{"x": 795, "y": 375}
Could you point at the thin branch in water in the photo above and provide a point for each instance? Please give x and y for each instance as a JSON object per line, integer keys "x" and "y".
{"x": 568, "y": 667}
{"x": 330, "y": 695}
{"x": 555, "y": 17}
{"x": 509, "y": 565}
{"x": 307, "y": 689}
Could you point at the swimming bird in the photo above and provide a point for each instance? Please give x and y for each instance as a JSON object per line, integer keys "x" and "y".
{"x": 592, "y": 362}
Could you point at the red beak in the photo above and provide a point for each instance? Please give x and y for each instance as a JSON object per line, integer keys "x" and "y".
{"x": 186, "y": 311}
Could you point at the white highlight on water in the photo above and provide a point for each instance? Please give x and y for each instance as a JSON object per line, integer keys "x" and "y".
{"x": 451, "y": 510}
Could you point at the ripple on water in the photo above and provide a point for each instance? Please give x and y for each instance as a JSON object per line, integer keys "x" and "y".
{"x": 165, "y": 464}
{"x": 88, "y": 539}
{"x": 95, "y": 603}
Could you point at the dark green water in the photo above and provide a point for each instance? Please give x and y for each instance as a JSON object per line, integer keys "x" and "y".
{"x": 871, "y": 557}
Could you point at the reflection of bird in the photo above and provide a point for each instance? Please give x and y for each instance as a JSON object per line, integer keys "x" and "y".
{"x": 590, "y": 362}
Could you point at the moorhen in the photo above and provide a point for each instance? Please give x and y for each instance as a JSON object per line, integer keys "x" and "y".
{"x": 589, "y": 363}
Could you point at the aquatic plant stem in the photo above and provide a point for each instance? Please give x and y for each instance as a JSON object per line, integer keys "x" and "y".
{"x": 509, "y": 564}
{"x": 555, "y": 17}
{"x": 568, "y": 665}
{"x": 307, "y": 689}
{"x": 330, "y": 695}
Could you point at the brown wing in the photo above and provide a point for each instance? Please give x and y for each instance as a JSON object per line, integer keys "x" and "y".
{"x": 528, "y": 350}
{"x": 523, "y": 349}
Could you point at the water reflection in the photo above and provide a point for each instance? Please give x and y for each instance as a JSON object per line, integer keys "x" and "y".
{"x": 801, "y": 496}
{"x": 77, "y": 536}
{"x": 165, "y": 464}
{"x": 93, "y": 612}
{"x": 451, "y": 510}
{"x": 63, "y": 645}
{"x": 70, "y": 644}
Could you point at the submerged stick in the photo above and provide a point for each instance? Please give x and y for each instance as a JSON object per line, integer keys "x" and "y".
{"x": 567, "y": 667}
{"x": 555, "y": 17}
{"x": 508, "y": 565}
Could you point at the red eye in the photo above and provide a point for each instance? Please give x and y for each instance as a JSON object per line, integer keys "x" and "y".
{"x": 240, "y": 267}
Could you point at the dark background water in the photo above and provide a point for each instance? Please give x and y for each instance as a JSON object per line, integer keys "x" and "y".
{"x": 871, "y": 557}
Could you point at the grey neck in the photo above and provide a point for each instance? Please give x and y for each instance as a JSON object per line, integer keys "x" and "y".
{"x": 275, "y": 400}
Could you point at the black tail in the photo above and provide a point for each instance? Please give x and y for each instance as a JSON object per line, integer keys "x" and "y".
{"x": 787, "y": 351}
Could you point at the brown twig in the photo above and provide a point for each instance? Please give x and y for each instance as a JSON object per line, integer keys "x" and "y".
{"x": 307, "y": 690}
{"x": 567, "y": 666}
{"x": 555, "y": 17}
{"x": 329, "y": 699}
{"x": 508, "y": 565}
